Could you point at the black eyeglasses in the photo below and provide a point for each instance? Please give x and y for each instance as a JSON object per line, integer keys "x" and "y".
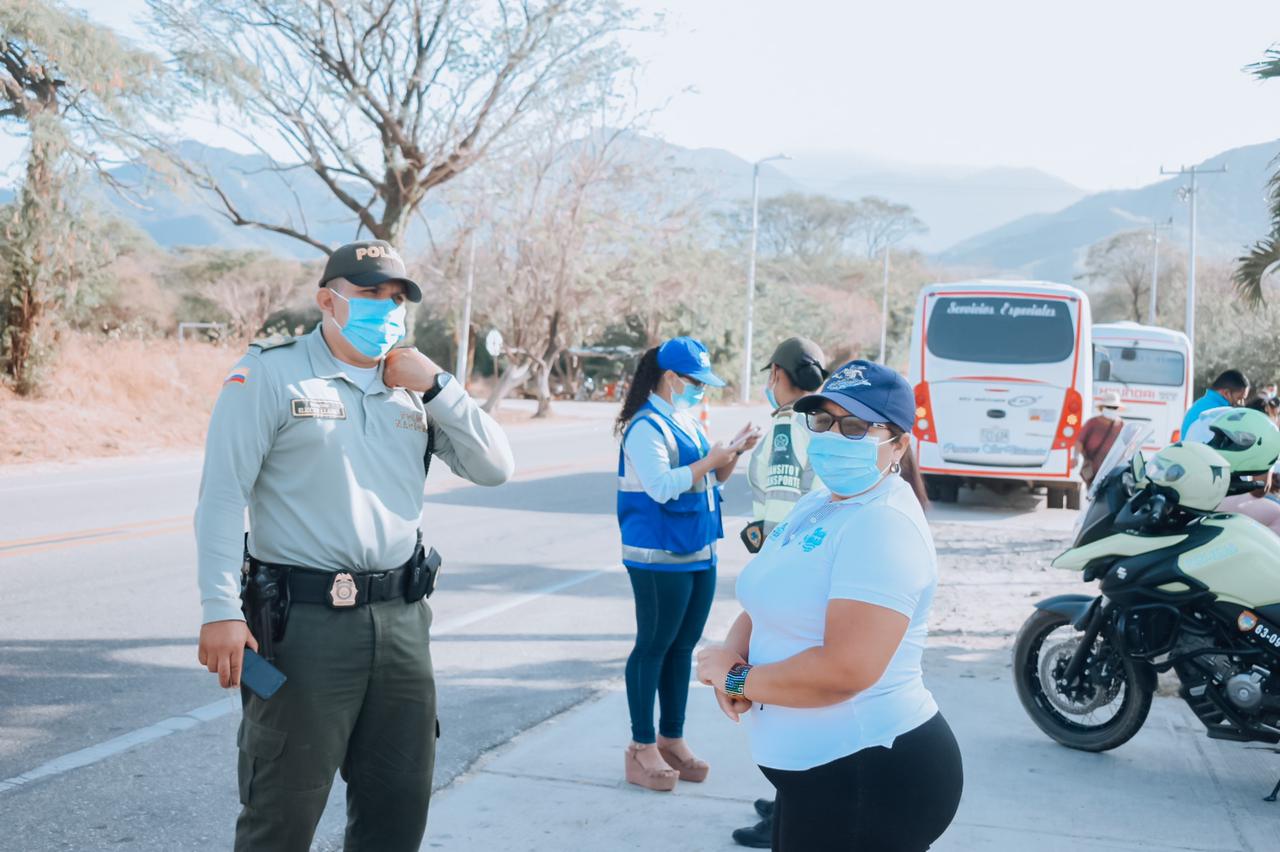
{"x": 850, "y": 426}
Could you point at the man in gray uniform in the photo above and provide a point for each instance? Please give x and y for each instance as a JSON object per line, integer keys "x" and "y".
{"x": 325, "y": 439}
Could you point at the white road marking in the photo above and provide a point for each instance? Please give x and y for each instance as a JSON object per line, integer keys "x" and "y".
{"x": 230, "y": 704}
{"x": 103, "y": 750}
{"x": 53, "y": 484}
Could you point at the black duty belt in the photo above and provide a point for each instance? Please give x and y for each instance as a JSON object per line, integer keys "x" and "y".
{"x": 412, "y": 581}
{"x": 346, "y": 588}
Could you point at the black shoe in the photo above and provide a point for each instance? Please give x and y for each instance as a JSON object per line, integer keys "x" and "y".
{"x": 759, "y": 836}
{"x": 764, "y": 807}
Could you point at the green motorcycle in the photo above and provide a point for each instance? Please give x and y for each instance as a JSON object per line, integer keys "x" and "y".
{"x": 1183, "y": 588}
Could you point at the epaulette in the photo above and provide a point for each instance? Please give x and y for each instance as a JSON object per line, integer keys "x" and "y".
{"x": 274, "y": 342}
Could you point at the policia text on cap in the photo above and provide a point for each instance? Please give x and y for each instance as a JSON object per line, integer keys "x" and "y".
{"x": 326, "y": 439}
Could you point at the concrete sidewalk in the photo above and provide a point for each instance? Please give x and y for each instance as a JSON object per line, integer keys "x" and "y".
{"x": 558, "y": 786}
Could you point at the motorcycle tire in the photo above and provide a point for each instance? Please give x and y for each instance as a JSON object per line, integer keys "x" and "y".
{"x": 1115, "y": 732}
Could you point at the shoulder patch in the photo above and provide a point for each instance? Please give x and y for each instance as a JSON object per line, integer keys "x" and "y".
{"x": 238, "y": 375}
{"x": 274, "y": 342}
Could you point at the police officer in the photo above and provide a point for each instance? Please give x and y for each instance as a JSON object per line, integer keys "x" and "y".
{"x": 780, "y": 474}
{"x": 326, "y": 439}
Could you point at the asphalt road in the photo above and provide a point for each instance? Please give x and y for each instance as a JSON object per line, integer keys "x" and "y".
{"x": 99, "y": 616}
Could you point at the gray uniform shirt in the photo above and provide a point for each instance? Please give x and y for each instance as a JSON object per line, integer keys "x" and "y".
{"x": 333, "y": 476}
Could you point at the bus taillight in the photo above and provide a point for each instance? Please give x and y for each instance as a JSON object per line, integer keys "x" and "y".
{"x": 924, "y": 428}
{"x": 1069, "y": 424}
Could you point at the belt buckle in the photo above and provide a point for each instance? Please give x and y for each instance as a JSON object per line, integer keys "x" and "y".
{"x": 343, "y": 592}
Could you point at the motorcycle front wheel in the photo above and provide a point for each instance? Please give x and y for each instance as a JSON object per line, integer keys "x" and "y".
{"x": 1102, "y": 713}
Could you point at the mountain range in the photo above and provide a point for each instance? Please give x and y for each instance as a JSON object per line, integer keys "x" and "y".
{"x": 1000, "y": 221}
{"x": 1232, "y": 213}
{"x": 954, "y": 204}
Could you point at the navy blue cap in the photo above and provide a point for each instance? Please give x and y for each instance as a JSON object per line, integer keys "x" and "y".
{"x": 871, "y": 391}
{"x": 688, "y": 357}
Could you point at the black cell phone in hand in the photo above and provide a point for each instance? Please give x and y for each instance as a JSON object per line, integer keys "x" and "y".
{"x": 260, "y": 677}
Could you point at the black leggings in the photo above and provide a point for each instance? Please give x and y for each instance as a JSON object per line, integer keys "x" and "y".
{"x": 897, "y": 799}
{"x": 671, "y": 610}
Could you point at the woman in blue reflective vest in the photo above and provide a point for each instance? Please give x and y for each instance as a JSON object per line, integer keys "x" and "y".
{"x": 669, "y": 515}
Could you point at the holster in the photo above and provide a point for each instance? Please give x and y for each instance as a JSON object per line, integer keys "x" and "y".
{"x": 264, "y": 599}
{"x": 423, "y": 572}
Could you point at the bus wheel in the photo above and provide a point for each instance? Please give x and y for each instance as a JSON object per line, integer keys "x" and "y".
{"x": 1073, "y": 495}
{"x": 942, "y": 489}
{"x": 1054, "y": 497}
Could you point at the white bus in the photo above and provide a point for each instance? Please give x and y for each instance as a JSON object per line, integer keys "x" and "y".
{"x": 1150, "y": 368}
{"x": 1002, "y": 376}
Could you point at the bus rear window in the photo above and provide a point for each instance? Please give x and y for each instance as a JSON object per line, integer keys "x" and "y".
{"x": 1131, "y": 365}
{"x": 999, "y": 330}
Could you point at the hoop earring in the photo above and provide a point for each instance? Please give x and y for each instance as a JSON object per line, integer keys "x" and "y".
{"x": 896, "y": 467}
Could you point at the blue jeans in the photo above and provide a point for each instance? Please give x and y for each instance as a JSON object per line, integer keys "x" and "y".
{"x": 671, "y": 610}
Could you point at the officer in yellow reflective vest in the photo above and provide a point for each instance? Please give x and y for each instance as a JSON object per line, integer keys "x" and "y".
{"x": 779, "y": 472}
{"x": 780, "y": 475}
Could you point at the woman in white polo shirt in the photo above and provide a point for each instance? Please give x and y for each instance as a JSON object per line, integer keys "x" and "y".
{"x": 826, "y": 656}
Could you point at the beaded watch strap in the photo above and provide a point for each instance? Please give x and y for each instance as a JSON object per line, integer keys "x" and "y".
{"x": 736, "y": 680}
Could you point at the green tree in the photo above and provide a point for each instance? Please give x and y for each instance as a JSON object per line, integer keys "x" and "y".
{"x": 1262, "y": 258}
{"x": 807, "y": 227}
{"x": 77, "y": 94}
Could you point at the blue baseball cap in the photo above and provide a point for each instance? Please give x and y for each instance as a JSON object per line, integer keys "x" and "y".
{"x": 871, "y": 391}
{"x": 688, "y": 357}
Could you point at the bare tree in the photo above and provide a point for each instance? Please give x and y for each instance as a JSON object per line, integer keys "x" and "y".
{"x": 385, "y": 100}
{"x": 247, "y": 287}
{"x": 564, "y": 212}
{"x": 882, "y": 224}
{"x": 74, "y": 90}
{"x": 1121, "y": 264}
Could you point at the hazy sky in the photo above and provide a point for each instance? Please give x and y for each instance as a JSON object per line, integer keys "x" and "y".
{"x": 1099, "y": 92}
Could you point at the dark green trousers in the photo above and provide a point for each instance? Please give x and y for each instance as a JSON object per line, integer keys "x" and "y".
{"x": 360, "y": 699}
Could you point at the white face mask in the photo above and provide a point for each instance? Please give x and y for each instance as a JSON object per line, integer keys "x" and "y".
{"x": 1111, "y": 413}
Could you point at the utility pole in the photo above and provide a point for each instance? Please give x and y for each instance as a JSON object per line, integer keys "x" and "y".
{"x": 1191, "y": 194}
{"x": 884, "y": 306}
{"x": 464, "y": 330}
{"x": 751, "y": 272}
{"x": 1155, "y": 264}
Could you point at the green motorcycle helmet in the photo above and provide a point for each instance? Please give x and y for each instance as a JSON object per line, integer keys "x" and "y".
{"x": 1246, "y": 438}
{"x": 1197, "y": 474}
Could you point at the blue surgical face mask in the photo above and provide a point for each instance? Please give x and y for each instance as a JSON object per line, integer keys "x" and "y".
{"x": 846, "y": 466}
{"x": 690, "y": 397}
{"x": 373, "y": 325}
{"x": 773, "y": 400}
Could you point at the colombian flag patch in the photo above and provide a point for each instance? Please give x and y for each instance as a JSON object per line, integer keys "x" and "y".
{"x": 237, "y": 376}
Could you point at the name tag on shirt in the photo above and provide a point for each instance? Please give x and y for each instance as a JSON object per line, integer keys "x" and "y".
{"x": 321, "y": 409}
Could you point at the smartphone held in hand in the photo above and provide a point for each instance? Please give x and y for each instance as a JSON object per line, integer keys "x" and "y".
{"x": 260, "y": 677}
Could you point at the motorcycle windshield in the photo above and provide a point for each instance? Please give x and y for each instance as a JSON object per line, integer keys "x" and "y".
{"x": 1127, "y": 445}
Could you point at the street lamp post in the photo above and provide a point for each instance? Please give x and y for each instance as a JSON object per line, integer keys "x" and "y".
{"x": 751, "y": 272}
{"x": 884, "y": 306}
{"x": 1191, "y": 194}
{"x": 1155, "y": 266}
{"x": 464, "y": 331}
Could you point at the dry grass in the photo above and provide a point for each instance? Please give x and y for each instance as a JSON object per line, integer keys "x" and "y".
{"x": 121, "y": 397}
{"x": 126, "y": 397}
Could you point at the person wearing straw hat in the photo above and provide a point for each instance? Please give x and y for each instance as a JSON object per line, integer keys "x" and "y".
{"x": 1098, "y": 434}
